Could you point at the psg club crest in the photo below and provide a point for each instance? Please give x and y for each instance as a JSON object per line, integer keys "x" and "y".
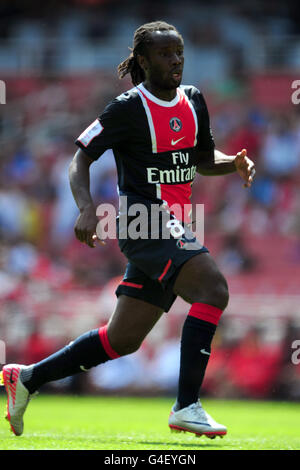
{"x": 175, "y": 124}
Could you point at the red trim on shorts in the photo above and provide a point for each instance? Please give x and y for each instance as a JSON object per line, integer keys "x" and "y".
{"x": 166, "y": 269}
{"x": 105, "y": 343}
{"x": 131, "y": 284}
{"x": 206, "y": 312}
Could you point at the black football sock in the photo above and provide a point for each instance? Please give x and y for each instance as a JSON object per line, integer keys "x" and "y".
{"x": 197, "y": 334}
{"x": 89, "y": 350}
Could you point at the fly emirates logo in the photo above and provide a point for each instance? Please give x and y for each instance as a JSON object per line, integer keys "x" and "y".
{"x": 176, "y": 175}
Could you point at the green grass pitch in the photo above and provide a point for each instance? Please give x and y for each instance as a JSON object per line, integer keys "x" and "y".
{"x": 83, "y": 423}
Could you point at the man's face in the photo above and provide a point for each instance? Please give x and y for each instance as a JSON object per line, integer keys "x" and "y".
{"x": 163, "y": 62}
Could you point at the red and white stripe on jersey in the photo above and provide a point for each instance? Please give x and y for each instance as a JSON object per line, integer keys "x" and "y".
{"x": 165, "y": 139}
{"x": 178, "y": 197}
{"x": 159, "y": 114}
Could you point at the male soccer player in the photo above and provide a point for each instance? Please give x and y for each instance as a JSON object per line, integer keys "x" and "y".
{"x": 160, "y": 135}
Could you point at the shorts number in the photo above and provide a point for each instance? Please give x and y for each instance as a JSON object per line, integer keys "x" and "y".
{"x": 175, "y": 227}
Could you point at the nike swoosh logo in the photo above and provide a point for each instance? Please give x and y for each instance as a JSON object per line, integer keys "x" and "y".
{"x": 205, "y": 352}
{"x": 11, "y": 377}
{"x": 174, "y": 142}
{"x": 196, "y": 422}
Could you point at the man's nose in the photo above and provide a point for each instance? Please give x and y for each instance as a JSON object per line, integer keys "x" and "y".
{"x": 176, "y": 59}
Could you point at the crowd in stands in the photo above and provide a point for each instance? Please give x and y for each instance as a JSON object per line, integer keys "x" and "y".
{"x": 53, "y": 288}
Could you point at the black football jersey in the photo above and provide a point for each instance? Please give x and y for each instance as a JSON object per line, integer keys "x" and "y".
{"x": 156, "y": 143}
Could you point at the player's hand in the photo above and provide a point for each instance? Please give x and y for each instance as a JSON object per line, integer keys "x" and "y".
{"x": 245, "y": 167}
{"x": 85, "y": 227}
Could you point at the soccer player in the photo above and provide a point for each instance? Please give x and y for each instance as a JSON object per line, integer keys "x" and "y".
{"x": 160, "y": 135}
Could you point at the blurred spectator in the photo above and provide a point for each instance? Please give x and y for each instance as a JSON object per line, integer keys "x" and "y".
{"x": 235, "y": 257}
{"x": 288, "y": 379}
{"x": 280, "y": 150}
{"x": 37, "y": 346}
{"x": 126, "y": 372}
{"x": 253, "y": 367}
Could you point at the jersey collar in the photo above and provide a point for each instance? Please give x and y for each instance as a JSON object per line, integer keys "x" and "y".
{"x": 167, "y": 104}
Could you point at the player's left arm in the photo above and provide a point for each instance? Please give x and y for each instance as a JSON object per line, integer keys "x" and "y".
{"x": 212, "y": 161}
{"x": 222, "y": 164}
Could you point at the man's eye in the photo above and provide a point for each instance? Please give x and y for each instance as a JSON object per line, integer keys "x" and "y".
{"x": 168, "y": 54}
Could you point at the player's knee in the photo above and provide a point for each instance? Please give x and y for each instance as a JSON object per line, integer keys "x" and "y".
{"x": 126, "y": 345}
{"x": 220, "y": 293}
{"x": 213, "y": 292}
{"x": 129, "y": 349}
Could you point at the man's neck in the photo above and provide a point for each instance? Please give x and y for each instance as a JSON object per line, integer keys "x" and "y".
{"x": 165, "y": 95}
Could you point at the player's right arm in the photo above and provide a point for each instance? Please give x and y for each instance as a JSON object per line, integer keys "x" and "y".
{"x": 79, "y": 177}
{"x": 106, "y": 132}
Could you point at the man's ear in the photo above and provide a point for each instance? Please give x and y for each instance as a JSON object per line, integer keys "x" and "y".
{"x": 142, "y": 61}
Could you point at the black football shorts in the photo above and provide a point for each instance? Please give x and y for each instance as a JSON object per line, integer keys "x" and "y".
{"x": 153, "y": 266}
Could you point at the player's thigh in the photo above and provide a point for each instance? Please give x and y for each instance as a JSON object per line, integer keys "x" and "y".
{"x": 200, "y": 280}
{"x": 130, "y": 323}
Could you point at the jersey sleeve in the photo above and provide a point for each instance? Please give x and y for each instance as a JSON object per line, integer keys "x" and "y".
{"x": 106, "y": 132}
{"x": 205, "y": 135}
{"x": 205, "y": 140}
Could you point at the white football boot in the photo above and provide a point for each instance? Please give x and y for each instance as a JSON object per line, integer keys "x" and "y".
{"x": 17, "y": 396}
{"x": 194, "y": 419}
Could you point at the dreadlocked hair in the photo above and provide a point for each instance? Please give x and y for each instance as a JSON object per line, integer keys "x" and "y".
{"x": 142, "y": 38}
